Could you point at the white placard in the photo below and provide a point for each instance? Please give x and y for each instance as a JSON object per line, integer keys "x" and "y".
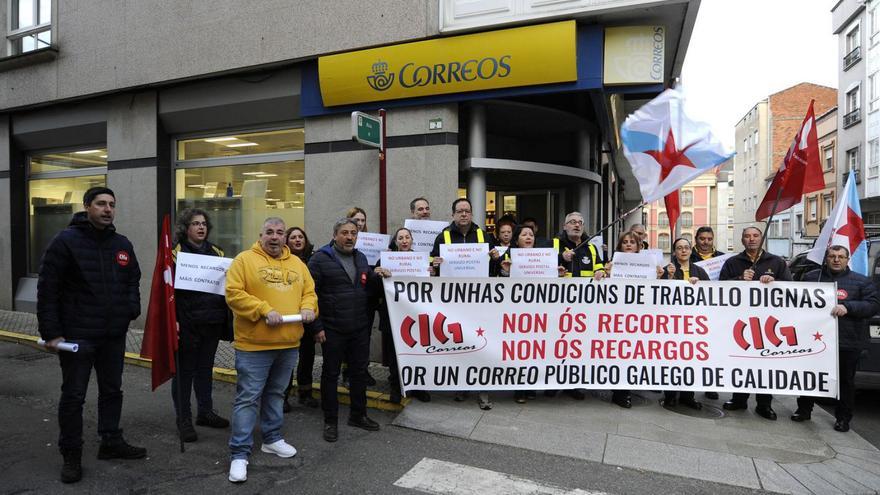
{"x": 517, "y": 334}
{"x": 424, "y": 232}
{"x": 371, "y": 244}
{"x": 406, "y": 264}
{"x": 464, "y": 260}
{"x": 201, "y": 273}
{"x": 534, "y": 263}
{"x": 502, "y": 249}
{"x": 657, "y": 254}
{"x": 599, "y": 242}
{"x": 634, "y": 266}
{"x": 713, "y": 265}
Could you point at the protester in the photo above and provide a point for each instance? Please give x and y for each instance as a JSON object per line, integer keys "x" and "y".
{"x": 87, "y": 294}
{"x": 640, "y": 232}
{"x": 523, "y": 238}
{"x": 580, "y": 259}
{"x": 263, "y": 284}
{"x": 402, "y": 241}
{"x": 359, "y": 216}
{"x": 857, "y": 300}
{"x": 360, "y": 219}
{"x": 540, "y": 242}
{"x": 298, "y": 243}
{"x": 203, "y": 319}
{"x": 681, "y": 268}
{"x": 344, "y": 284}
{"x": 751, "y": 264}
{"x": 704, "y": 249}
{"x": 705, "y": 245}
{"x": 420, "y": 209}
{"x": 504, "y": 226}
{"x": 462, "y": 229}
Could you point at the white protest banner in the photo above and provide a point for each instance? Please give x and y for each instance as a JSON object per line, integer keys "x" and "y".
{"x": 201, "y": 273}
{"x": 657, "y": 254}
{"x": 534, "y": 262}
{"x": 640, "y": 266}
{"x": 599, "y": 242}
{"x": 502, "y": 249}
{"x": 371, "y": 244}
{"x": 464, "y": 260}
{"x": 713, "y": 265}
{"x": 424, "y": 232}
{"x": 515, "y": 334}
{"x": 406, "y": 264}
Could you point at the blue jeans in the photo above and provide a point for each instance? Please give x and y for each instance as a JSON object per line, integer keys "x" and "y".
{"x": 262, "y": 379}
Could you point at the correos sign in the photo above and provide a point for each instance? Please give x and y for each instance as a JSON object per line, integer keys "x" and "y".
{"x": 500, "y": 59}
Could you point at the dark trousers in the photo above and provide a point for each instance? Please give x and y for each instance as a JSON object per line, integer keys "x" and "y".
{"x": 849, "y": 361}
{"x": 196, "y": 362}
{"x": 354, "y": 349}
{"x": 304, "y": 367}
{"x": 390, "y": 357}
{"x": 107, "y": 357}
{"x": 763, "y": 400}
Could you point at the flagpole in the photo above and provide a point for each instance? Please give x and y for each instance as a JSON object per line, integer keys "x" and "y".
{"x": 767, "y": 225}
{"x": 179, "y": 398}
{"x": 612, "y": 224}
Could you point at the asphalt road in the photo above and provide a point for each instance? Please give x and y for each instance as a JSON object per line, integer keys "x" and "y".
{"x": 361, "y": 462}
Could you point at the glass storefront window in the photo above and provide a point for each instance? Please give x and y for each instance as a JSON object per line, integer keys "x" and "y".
{"x": 238, "y": 144}
{"x": 52, "y": 204}
{"x": 68, "y": 160}
{"x": 239, "y": 197}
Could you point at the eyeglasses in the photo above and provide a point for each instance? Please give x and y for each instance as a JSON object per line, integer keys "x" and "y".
{"x": 198, "y": 224}
{"x": 462, "y": 212}
{"x": 575, "y": 222}
{"x": 834, "y": 257}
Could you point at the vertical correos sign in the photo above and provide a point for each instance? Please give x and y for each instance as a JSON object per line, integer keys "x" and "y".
{"x": 635, "y": 55}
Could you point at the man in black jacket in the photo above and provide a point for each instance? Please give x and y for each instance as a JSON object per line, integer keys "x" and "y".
{"x": 462, "y": 230}
{"x": 87, "y": 294}
{"x": 857, "y": 301}
{"x": 704, "y": 245}
{"x": 344, "y": 283}
{"x": 754, "y": 264}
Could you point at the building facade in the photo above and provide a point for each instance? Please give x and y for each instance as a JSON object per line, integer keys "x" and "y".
{"x": 245, "y": 110}
{"x": 698, "y": 201}
{"x": 817, "y": 206}
{"x": 763, "y": 137}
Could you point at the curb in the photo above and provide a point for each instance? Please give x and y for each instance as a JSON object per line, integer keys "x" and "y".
{"x": 375, "y": 400}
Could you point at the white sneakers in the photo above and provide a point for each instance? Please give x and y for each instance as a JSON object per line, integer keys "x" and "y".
{"x": 238, "y": 467}
{"x": 238, "y": 470}
{"x": 279, "y": 448}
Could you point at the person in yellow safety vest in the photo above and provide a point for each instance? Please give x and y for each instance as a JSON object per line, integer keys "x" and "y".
{"x": 583, "y": 261}
{"x": 462, "y": 230}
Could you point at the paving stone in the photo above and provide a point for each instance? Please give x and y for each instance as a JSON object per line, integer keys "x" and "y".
{"x": 681, "y": 461}
{"x": 439, "y": 418}
{"x": 838, "y": 479}
{"x": 870, "y": 454}
{"x": 867, "y": 477}
{"x": 551, "y": 439}
{"x": 775, "y": 479}
{"x": 811, "y": 480}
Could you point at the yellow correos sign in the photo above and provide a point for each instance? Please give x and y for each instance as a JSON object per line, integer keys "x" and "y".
{"x": 634, "y": 55}
{"x": 524, "y": 56}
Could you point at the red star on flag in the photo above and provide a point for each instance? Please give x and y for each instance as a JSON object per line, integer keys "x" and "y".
{"x": 480, "y": 332}
{"x": 854, "y": 230}
{"x": 670, "y": 157}
{"x": 817, "y": 336}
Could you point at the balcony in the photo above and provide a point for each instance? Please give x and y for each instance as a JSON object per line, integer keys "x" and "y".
{"x": 852, "y": 58}
{"x": 852, "y": 118}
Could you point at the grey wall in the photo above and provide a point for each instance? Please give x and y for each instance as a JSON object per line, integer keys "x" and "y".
{"x": 108, "y": 45}
{"x": 6, "y": 285}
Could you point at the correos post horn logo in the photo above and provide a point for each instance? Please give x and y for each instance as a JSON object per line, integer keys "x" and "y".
{"x": 381, "y": 78}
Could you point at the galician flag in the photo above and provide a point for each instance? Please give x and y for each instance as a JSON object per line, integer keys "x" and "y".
{"x": 665, "y": 148}
{"x": 844, "y": 228}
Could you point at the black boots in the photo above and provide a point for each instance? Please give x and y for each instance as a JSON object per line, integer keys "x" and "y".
{"x": 120, "y": 449}
{"x": 71, "y": 471}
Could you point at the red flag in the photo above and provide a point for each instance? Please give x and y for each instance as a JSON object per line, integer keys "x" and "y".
{"x": 800, "y": 173}
{"x": 160, "y": 331}
{"x": 672, "y": 209}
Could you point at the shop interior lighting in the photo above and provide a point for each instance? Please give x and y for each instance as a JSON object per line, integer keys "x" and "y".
{"x": 221, "y": 139}
{"x": 88, "y": 152}
{"x": 240, "y": 145}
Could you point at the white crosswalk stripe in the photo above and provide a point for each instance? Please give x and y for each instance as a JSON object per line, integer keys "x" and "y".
{"x": 448, "y": 478}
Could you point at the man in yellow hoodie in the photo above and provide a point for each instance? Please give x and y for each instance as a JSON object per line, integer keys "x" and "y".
{"x": 263, "y": 284}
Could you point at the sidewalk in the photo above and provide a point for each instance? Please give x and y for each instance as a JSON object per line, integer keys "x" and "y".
{"x": 737, "y": 448}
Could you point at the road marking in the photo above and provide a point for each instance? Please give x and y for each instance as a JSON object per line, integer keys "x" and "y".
{"x": 448, "y": 478}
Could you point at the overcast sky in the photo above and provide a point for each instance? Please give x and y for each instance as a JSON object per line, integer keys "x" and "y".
{"x": 742, "y": 51}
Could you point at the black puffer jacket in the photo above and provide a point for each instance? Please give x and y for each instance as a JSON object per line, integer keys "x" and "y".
{"x": 696, "y": 258}
{"x": 858, "y": 295}
{"x": 768, "y": 264}
{"x": 201, "y": 313}
{"x": 343, "y": 305}
{"x": 88, "y": 286}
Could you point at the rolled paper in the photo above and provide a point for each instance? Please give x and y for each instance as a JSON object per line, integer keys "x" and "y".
{"x": 63, "y": 346}
{"x": 289, "y": 319}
